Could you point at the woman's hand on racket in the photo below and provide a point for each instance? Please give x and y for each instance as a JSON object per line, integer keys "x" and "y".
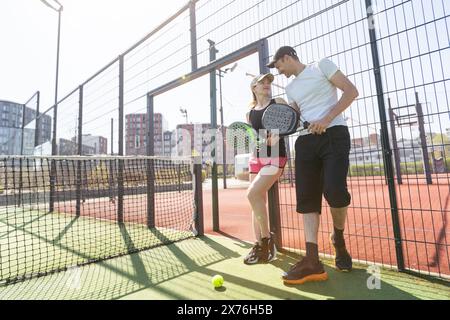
{"x": 319, "y": 127}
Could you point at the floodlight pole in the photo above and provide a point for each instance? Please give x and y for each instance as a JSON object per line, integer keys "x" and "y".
{"x": 224, "y": 161}
{"x": 224, "y": 150}
{"x": 55, "y": 110}
{"x": 185, "y": 114}
{"x": 55, "y": 107}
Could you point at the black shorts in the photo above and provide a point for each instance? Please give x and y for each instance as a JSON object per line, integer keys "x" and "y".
{"x": 321, "y": 167}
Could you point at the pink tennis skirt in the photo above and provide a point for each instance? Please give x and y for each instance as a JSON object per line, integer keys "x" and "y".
{"x": 256, "y": 164}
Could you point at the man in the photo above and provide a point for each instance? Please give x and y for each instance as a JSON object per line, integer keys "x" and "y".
{"x": 321, "y": 155}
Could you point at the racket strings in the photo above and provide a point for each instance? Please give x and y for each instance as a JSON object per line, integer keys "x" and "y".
{"x": 280, "y": 118}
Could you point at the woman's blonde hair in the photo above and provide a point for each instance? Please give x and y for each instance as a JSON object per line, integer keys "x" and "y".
{"x": 255, "y": 80}
{"x": 254, "y": 102}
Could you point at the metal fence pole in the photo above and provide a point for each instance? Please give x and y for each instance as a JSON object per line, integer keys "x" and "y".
{"x": 179, "y": 177}
{"x": 22, "y": 129}
{"x": 112, "y": 136}
{"x": 150, "y": 162}
{"x": 193, "y": 30}
{"x": 80, "y": 151}
{"x": 387, "y": 152}
{"x": 55, "y": 123}
{"x": 19, "y": 200}
{"x": 53, "y": 163}
{"x": 37, "y": 127}
{"x": 198, "y": 197}
{"x": 54, "y": 141}
{"x": 120, "y": 179}
{"x": 290, "y": 167}
{"x": 213, "y": 99}
{"x": 222, "y": 129}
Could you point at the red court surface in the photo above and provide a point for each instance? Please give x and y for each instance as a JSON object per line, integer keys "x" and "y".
{"x": 423, "y": 214}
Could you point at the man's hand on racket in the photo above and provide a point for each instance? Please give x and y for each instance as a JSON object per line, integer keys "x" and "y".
{"x": 319, "y": 127}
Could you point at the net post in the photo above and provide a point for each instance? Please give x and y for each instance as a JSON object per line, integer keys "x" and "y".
{"x": 120, "y": 190}
{"x": 150, "y": 193}
{"x": 387, "y": 152}
{"x": 19, "y": 201}
{"x": 120, "y": 182}
{"x": 52, "y": 181}
{"x": 198, "y": 197}
{"x": 79, "y": 151}
{"x": 179, "y": 177}
{"x": 150, "y": 163}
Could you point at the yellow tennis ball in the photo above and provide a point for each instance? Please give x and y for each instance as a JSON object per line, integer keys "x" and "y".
{"x": 217, "y": 281}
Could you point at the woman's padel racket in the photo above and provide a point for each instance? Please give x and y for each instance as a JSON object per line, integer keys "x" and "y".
{"x": 283, "y": 119}
{"x": 241, "y": 137}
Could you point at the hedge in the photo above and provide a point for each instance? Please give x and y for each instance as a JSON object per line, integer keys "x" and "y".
{"x": 367, "y": 170}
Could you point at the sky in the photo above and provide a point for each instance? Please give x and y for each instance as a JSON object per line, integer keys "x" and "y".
{"x": 93, "y": 33}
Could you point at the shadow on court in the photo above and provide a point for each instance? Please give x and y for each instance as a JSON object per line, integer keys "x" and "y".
{"x": 183, "y": 270}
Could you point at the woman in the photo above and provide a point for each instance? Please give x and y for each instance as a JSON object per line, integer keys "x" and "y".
{"x": 266, "y": 165}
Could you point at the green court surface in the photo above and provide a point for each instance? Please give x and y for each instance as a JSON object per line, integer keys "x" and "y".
{"x": 183, "y": 270}
{"x": 36, "y": 242}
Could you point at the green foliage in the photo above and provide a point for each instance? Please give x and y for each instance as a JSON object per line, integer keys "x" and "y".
{"x": 99, "y": 176}
{"x": 368, "y": 170}
{"x": 244, "y": 176}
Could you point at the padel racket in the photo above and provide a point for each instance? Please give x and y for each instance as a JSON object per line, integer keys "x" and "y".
{"x": 284, "y": 119}
{"x": 241, "y": 137}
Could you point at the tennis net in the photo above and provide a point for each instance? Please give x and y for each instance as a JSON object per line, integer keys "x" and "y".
{"x": 61, "y": 212}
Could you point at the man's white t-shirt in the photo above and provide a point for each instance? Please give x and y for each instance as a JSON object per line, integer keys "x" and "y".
{"x": 314, "y": 93}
